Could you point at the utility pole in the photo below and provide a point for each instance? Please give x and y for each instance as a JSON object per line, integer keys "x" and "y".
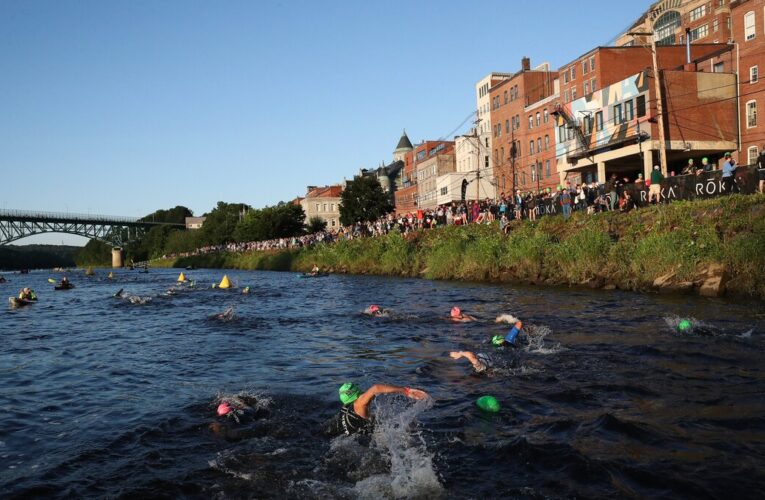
{"x": 513, "y": 154}
{"x": 478, "y": 159}
{"x": 659, "y": 100}
{"x": 537, "y": 167}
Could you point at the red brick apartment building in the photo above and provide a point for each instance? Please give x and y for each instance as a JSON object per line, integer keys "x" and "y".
{"x": 522, "y": 131}
{"x": 749, "y": 37}
{"x": 407, "y": 197}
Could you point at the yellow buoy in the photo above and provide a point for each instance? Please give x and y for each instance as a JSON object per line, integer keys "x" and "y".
{"x": 224, "y": 283}
{"x": 181, "y": 278}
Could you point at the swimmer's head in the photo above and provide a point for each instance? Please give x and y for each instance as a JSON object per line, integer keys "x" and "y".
{"x": 498, "y": 340}
{"x": 456, "y": 312}
{"x": 224, "y": 409}
{"x": 374, "y": 308}
{"x": 684, "y": 325}
{"x": 349, "y": 393}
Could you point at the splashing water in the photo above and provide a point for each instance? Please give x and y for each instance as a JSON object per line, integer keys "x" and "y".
{"x": 412, "y": 473}
{"x": 535, "y": 336}
{"x": 226, "y": 315}
{"x": 506, "y": 318}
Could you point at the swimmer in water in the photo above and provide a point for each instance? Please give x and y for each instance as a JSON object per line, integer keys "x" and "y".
{"x": 458, "y": 316}
{"x": 246, "y": 290}
{"x": 354, "y": 417}
{"x": 119, "y": 293}
{"x": 483, "y": 361}
{"x": 376, "y": 311}
{"x": 235, "y": 416}
{"x": 226, "y": 315}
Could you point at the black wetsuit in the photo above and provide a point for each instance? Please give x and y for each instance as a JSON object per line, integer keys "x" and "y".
{"x": 349, "y": 422}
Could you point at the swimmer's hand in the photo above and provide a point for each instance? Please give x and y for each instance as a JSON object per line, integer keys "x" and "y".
{"x": 415, "y": 393}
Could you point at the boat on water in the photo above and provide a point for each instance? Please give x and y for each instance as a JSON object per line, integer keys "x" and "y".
{"x": 63, "y": 287}
{"x": 314, "y": 275}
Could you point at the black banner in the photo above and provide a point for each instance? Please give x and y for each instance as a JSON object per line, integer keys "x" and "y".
{"x": 679, "y": 187}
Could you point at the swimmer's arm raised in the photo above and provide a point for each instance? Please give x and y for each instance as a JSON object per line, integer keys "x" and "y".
{"x": 470, "y": 357}
{"x": 361, "y": 405}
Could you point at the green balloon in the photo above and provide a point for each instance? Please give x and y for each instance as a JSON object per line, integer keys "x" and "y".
{"x": 488, "y": 403}
{"x": 684, "y": 325}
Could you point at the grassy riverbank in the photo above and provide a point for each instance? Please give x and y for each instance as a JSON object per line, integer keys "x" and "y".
{"x": 677, "y": 247}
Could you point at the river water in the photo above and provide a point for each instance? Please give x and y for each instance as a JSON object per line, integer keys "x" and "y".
{"x": 108, "y": 397}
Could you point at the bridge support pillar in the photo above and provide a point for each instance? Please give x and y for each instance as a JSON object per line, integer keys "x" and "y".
{"x": 118, "y": 257}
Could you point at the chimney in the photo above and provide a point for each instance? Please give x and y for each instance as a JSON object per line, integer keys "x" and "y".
{"x": 525, "y": 64}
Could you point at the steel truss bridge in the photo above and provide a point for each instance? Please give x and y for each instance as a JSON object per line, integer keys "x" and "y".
{"x": 112, "y": 230}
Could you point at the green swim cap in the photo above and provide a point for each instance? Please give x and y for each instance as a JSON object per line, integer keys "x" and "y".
{"x": 498, "y": 340}
{"x": 349, "y": 393}
{"x": 684, "y": 325}
{"x": 488, "y": 403}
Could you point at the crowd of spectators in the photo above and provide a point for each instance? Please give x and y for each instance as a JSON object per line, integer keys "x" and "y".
{"x": 616, "y": 194}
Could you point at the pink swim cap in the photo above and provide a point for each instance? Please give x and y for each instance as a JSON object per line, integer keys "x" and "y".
{"x": 223, "y": 409}
{"x": 456, "y": 312}
{"x": 374, "y": 308}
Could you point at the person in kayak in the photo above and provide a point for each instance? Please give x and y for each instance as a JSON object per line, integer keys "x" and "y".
{"x": 354, "y": 417}
{"x": 65, "y": 283}
{"x": 27, "y": 293}
{"x": 457, "y": 315}
{"x": 315, "y": 270}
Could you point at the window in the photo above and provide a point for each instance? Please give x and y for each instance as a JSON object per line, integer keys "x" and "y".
{"x": 547, "y": 142}
{"x": 573, "y": 94}
{"x": 599, "y": 121}
{"x": 629, "y": 110}
{"x": 618, "y": 118}
{"x": 539, "y": 145}
{"x": 539, "y": 118}
{"x": 665, "y": 27}
{"x": 444, "y": 191}
{"x": 587, "y": 125}
{"x": 715, "y": 25}
{"x": 749, "y": 28}
{"x": 700, "y": 32}
{"x": 486, "y": 161}
{"x": 546, "y": 115}
{"x": 332, "y": 207}
{"x": 754, "y": 74}
{"x": 523, "y": 178}
{"x": 507, "y": 126}
{"x": 531, "y": 148}
{"x": 751, "y": 114}
{"x": 640, "y": 106}
{"x": 592, "y": 63}
{"x": 496, "y": 156}
{"x": 718, "y": 67}
{"x": 585, "y": 67}
{"x": 531, "y": 121}
{"x": 533, "y": 173}
{"x": 698, "y": 13}
{"x": 501, "y": 155}
{"x": 334, "y": 222}
{"x": 752, "y": 153}
{"x": 318, "y": 207}
{"x": 586, "y": 88}
{"x": 499, "y": 129}
{"x": 566, "y": 96}
{"x": 593, "y": 86}
{"x": 573, "y": 72}
{"x": 565, "y": 77}
{"x": 505, "y": 96}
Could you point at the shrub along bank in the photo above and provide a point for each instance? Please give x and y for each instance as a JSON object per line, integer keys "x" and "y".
{"x": 706, "y": 246}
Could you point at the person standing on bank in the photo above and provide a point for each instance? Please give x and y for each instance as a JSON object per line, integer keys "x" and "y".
{"x": 729, "y": 173}
{"x": 655, "y": 189}
{"x": 761, "y": 169}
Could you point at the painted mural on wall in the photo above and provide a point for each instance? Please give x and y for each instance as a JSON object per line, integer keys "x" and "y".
{"x": 612, "y": 113}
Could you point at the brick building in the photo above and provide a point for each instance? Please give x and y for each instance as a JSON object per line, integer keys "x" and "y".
{"x": 619, "y": 129}
{"x": 749, "y": 36}
{"x": 432, "y": 162}
{"x": 675, "y": 21}
{"x": 520, "y": 115}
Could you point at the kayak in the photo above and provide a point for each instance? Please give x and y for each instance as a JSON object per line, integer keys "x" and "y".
{"x": 17, "y": 302}
{"x": 317, "y": 275}
{"x": 62, "y": 287}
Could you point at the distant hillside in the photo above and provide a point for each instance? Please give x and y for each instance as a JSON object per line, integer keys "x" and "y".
{"x": 37, "y": 256}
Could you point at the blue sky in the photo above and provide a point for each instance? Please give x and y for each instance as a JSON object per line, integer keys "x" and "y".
{"x": 127, "y": 107}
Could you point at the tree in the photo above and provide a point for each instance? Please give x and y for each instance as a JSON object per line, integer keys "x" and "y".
{"x": 220, "y": 224}
{"x": 281, "y": 221}
{"x": 315, "y": 225}
{"x": 176, "y": 215}
{"x": 363, "y": 200}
